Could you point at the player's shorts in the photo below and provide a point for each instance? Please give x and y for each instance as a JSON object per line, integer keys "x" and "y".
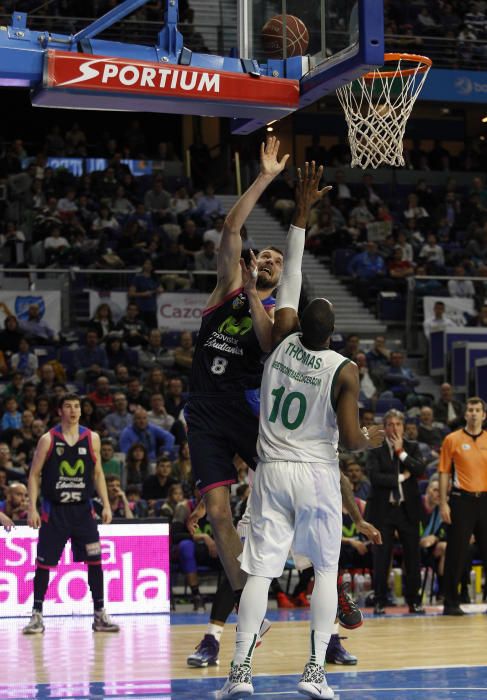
{"x": 217, "y": 430}
{"x": 61, "y": 522}
{"x": 294, "y": 506}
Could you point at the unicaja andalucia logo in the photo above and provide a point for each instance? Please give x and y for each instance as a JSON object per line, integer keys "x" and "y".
{"x": 65, "y": 468}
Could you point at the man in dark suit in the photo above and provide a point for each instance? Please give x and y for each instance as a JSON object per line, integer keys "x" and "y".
{"x": 394, "y": 505}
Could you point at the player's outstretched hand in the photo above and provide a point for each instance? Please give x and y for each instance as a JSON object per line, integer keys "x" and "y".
{"x": 307, "y": 188}
{"x": 106, "y": 515}
{"x": 250, "y": 273}
{"x": 269, "y": 162}
{"x": 34, "y": 519}
{"x": 376, "y": 436}
{"x": 370, "y": 531}
{"x": 6, "y": 522}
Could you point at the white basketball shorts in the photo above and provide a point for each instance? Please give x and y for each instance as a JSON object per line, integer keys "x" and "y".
{"x": 294, "y": 506}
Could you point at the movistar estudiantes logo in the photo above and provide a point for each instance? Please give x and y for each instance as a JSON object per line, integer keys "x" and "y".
{"x": 66, "y": 469}
{"x": 232, "y": 326}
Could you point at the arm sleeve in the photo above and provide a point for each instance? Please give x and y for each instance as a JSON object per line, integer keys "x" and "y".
{"x": 290, "y": 283}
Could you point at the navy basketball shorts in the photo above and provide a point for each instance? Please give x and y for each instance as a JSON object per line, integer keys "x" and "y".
{"x": 217, "y": 430}
{"x": 61, "y": 522}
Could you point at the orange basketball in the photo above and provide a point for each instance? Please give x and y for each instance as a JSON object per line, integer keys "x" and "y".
{"x": 297, "y": 37}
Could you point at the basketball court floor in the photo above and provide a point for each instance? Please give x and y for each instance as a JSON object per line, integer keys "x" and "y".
{"x": 401, "y": 657}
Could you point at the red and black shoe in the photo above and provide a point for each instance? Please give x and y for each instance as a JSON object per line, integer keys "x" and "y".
{"x": 348, "y": 613}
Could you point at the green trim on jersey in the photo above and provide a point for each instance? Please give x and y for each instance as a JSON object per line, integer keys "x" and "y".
{"x": 333, "y": 382}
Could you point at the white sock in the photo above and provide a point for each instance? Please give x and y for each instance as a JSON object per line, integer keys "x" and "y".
{"x": 323, "y": 607}
{"x": 251, "y": 612}
{"x": 244, "y": 648}
{"x": 215, "y": 630}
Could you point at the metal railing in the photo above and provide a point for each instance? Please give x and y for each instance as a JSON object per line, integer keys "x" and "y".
{"x": 208, "y": 37}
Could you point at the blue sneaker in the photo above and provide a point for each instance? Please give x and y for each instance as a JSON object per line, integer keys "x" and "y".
{"x": 206, "y": 653}
{"x": 337, "y": 654}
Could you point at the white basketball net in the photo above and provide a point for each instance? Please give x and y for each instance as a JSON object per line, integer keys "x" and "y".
{"x": 377, "y": 109}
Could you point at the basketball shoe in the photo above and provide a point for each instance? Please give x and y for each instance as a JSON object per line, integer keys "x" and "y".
{"x": 337, "y": 654}
{"x": 238, "y": 683}
{"x": 301, "y": 600}
{"x": 103, "y": 623}
{"x": 35, "y": 625}
{"x": 313, "y": 682}
{"x": 283, "y": 601}
{"x": 348, "y": 613}
{"x": 206, "y": 653}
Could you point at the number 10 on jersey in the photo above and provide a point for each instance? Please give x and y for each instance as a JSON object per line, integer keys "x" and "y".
{"x": 282, "y": 411}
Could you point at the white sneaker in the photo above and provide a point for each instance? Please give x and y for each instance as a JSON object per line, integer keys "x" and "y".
{"x": 238, "y": 684}
{"x": 313, "y": 683}
{"x": 103, "y": 623}
{"x": 36, "y": 624}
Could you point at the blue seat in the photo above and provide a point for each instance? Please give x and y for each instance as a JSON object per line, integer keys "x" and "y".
{"x": 384, "y": 405}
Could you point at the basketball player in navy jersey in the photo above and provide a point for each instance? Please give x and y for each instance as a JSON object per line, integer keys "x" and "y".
{"x": 227, "y": 369}
{"x": 66, "y": 469}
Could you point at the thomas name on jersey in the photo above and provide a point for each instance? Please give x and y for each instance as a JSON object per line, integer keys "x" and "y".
{"x": 306, "y": 358}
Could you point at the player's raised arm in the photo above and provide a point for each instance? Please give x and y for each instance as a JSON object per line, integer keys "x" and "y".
{"x": 228, "y": 271}
{"x": 307, "y": 194}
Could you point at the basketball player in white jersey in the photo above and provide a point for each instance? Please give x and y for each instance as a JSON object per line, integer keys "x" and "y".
{"x": 309, "y": 401}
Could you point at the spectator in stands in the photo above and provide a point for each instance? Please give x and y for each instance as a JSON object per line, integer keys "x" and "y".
{"x": 433, "y": 530}
{"x": 102, "y": 396}
{"x": 182, "y": 205}
{"x": 367, "y": 269}
{"x": 175, "y": 398}
{"x": 135, "y": 394}
{"x": 155, "y": 382}
{"x": 102, "y": 321}
{"x": 67, "y": 206}
{"x": 28, "y": 396}
{"x": 368, "y": 389}
{"x": 157, "y": 201}
{"x": 368, "y": 192}
{"x": 133, "y": 327}
{"x": 90, "y": 415}
{"x": 12, "y": 242}
{"x": 362, "y": 214}
{"x": 447, "y": 410}
{"x": 438, "y": 322}
{"x": 144, "y": 289}
{"x": 138, "y": 506}
{"x": 378, "y": 359}
{"x": 137, "y": 464}
{"x": 109, "y": 463}
{"x": 105, "y": 222}
{"x": 182, "y": 469}
{"x": 55, "y": 246}
{"x": 175, "y": 495}
{"x": 153, "y": 438}
{"x": 428, "y": 455}
{"x": 480, "y": 320}
{"x": 14, "y": 387}
{"x": 432, "y": 255}
{"x": 121, "y": 205}
{"x": 351, "y": 346}
{"x": 154, "y": 354}
{"x": 25, "y": 361}
{"x": 117, "y": 355}
{"x": 394, "y": 505}
{"x": 405, "y": 247}
{"x": 11, "y": 335}
{"x": 16, "y": 501}
{"x": 460, "y": 287}
{"x": 400, "y": 380}
{"x": 90, "y": 360}
{"x": 209, "y": 206}
{"x": 35, "y": 329}
{"x": 158, "y": 414}
{"x": 429, "y": 431}
{"x": 205, "y": 260}
{"x": 118, "y": 418}
{"x": 214, "y": 234}
{"x": 190, "y": 241}
{"x": 414, "y": 211}
{"x": 360, "y": 483}
{"x": 47, "y": 377}
{"x": 119, "y": 503}
{"x": 12, "y": 418}
{"x": 399, "y": 270}
{"x": 156, "y": 486}
{"x": 183, "y": 354}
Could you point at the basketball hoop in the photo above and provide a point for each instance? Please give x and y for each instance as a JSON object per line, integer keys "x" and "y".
{"x": 377, "y": 107}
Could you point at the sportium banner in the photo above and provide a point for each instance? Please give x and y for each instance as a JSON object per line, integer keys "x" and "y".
{"x": 135, "y": 562}
{"x": 103, "y": 82}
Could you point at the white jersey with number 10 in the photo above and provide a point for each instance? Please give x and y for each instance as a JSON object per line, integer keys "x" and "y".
{"x": 297, "y": 411}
